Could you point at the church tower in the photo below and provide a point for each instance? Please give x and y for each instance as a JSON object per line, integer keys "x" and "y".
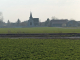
{"x": 33, "y": 21}
{"x": 30, "y": 15}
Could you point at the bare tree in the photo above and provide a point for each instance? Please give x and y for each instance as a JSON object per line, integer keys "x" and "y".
{"x": 54, "y": 18}
{"x": 1, "y": 16}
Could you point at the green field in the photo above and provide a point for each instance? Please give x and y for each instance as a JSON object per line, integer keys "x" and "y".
{"x": 39, "y": 49}
{"x": 41, "y": 30}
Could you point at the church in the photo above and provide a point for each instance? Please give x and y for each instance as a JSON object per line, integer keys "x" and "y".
{"x": 33, "y": 22}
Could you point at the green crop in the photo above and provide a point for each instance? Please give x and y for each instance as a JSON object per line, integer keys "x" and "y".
{"x": 39, "y": 49}
{"x": 41, "y": 30}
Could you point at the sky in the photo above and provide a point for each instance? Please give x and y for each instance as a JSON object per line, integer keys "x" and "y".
{"x": 42, "y": 9}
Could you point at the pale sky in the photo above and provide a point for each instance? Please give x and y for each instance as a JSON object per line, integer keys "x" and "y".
{"x": 42, "y": 9}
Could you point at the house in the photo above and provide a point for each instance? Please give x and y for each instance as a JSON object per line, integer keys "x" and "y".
{"x": 72, "y": 23}
{"x": 33, "y": 22}
{"x": 42, "y": 24}
{"x": 47, "y": 22}
{"x": 58, "y": 23}
{"x": 24, "y": 24}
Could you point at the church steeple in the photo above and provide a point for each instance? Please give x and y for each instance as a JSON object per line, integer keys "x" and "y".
{"x": 30, "y": 15}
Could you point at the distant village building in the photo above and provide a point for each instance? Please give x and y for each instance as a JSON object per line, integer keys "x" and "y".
{"x": 47, "y": 22}
{"x": 72, "y": 23}
{"x": 33, "y": 22}
{"x": 13, "y": 25}
{"x": 58, "y": 23}
{"x": 42, "y": 24}
{"x": 79, "y": 23}
{"x": 8, "y": 24}
{"x": 24, "y": 24}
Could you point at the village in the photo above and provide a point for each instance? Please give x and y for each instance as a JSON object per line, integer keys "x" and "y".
{"x": 34, "y": 22}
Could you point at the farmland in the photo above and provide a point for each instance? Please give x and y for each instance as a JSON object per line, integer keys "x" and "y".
{"x": 41, "y": 30}
{"x": 39, "y": 49}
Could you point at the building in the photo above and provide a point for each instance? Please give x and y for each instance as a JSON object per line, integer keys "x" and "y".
{"x": 47, "y": 22}
{"x": 33, "y": 22}
{"x": 58, "y": 23}
{"x": 72, "y": 23}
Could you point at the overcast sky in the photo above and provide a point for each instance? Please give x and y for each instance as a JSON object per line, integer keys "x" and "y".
{"x": 42, "y": 9}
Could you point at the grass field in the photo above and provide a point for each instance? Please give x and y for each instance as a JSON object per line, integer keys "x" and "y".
{"x": 41, "y": 30}
{"x": 39, "y": 49}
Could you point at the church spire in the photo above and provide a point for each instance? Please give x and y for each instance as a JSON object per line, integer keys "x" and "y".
{"x": 30, "y": 14}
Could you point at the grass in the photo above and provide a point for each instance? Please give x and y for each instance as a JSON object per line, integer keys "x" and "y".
{"x": 39, "y": 49}
{"x": 41, "y": 30}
